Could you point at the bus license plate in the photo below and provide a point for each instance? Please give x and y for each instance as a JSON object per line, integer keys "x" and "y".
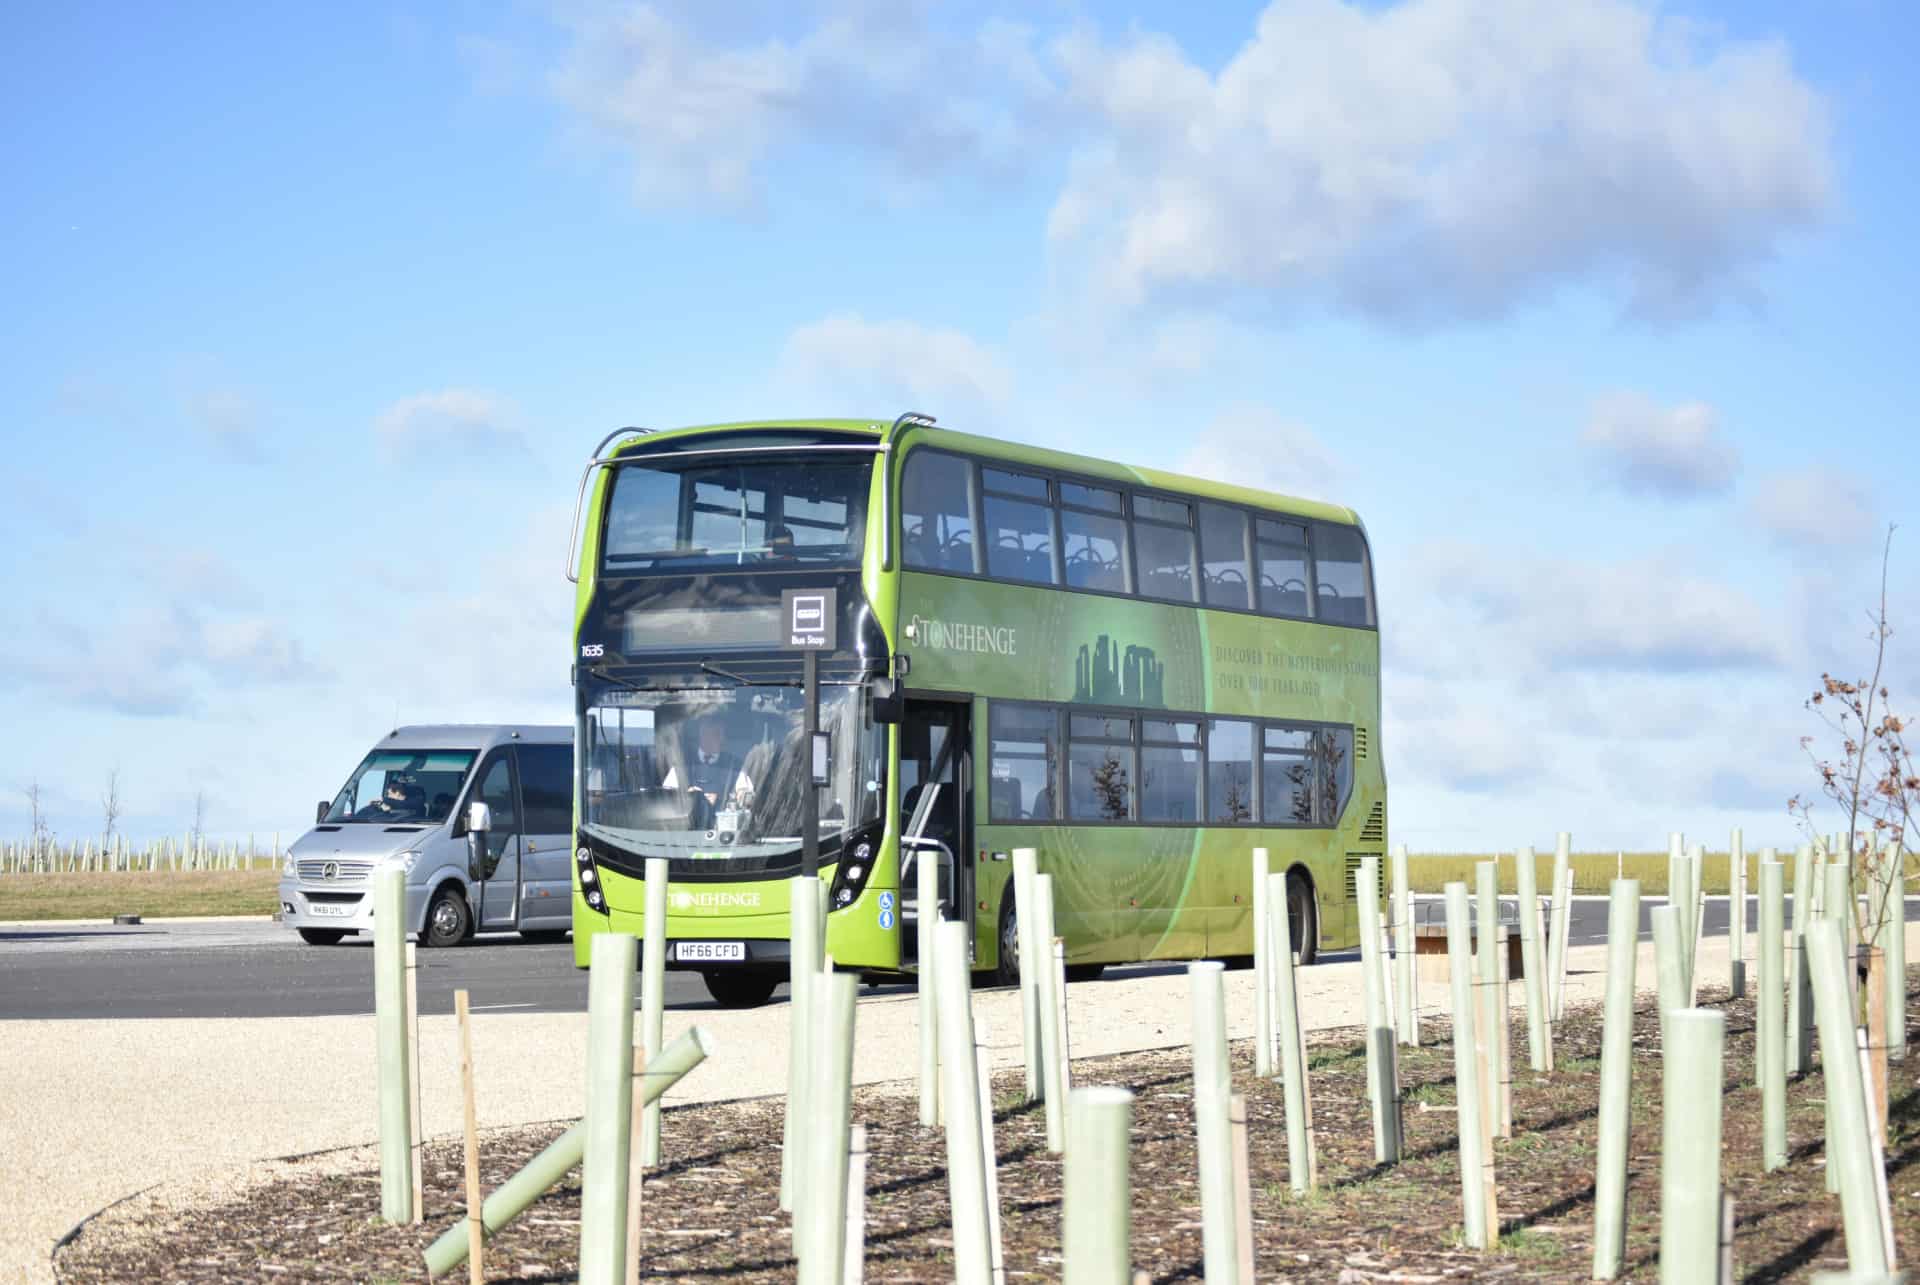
{"x": 329, "y": 908}
{"x": 706, "y": 952}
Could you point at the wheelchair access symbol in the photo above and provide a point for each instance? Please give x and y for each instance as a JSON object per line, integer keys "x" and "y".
{"x": 886, "y": 901}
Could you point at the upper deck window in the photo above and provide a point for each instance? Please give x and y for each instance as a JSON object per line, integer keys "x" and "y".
{"x": 1283, "y": 567}
{"x": 1019, "y": 526}
{"x": 1163, "y": 547}
{"x": 1223, "y": 556}
{"x": 936, "y": 503}
{"x": 711, "y": 513}
{"x": 1340, "y": 575}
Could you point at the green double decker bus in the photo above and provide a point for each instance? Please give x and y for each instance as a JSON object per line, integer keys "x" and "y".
{"x": 1143, "y": 676}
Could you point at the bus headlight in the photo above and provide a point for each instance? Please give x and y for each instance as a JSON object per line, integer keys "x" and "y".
{"x": 589, "y": 877}
{"x": 850, "y": 879}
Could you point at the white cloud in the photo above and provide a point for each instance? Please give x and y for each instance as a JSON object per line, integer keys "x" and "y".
{"x": 1440, "y": 158}
{"x": 897, "y": 364}
{"x": 1818, "y": 509}
{"x": 1255, "y": 446}
{"x": 230, "y": 417}
{"x": 1473, "y": 610}
{"x": 1675, "y": 451}
{"x": 699, "y": 118}
{"x": 459, "y": 418}
{"x": 155, "y": 659}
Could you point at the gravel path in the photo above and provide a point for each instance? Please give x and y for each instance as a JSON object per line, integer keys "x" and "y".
{"x": 96, "y": 1111}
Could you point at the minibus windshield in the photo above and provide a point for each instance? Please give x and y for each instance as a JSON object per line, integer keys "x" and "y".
{"x": 399, "y": 786}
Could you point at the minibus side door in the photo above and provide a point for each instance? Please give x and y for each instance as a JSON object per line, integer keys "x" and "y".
{"x": 498, "y": 884}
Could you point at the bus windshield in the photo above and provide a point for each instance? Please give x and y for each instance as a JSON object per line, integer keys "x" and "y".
{"x": 708, "y": 513}
{"x": 397, "y": 786}
{"x": 718, "y": 776}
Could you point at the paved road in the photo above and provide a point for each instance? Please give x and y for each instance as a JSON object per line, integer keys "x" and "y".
{"x": 254, "y": 969}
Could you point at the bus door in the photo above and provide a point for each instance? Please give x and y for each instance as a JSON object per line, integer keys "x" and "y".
{"x": 499, "y": 887}
{"x": 936, "y": 812}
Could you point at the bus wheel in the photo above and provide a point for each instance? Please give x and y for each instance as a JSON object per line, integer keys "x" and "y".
{"x": 322, "y": 936}
{"x": 448, "y": 919}
{"x": 1302, "y": 920}
{"x": 1007, "y": 971}
{"x": 741, "y": 990}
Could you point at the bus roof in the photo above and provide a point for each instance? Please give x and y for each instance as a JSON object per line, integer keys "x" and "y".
{"x": 473, "y": 736}
{"x": 1019, "y": 453}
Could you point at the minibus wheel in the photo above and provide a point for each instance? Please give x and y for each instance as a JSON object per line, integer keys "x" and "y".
{"x": 740, "y": 990}
{"x": 448, "y": 919}
{"x": 322, "y": 936}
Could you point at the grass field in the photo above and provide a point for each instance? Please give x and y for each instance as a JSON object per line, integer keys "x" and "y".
{"x": 1593, "y": 872}
{"x": 153, "y": 896}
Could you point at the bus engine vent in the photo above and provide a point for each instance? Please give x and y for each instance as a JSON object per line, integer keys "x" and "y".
{"x": 1375, "y": 830}
{"x": 1359, "y": 742}
{"x": 1353, "y": 875}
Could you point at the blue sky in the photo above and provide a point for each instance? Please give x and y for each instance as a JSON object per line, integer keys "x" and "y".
{"x": 1595, "y": 311}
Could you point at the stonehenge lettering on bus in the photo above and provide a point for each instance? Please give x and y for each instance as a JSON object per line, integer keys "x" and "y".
{"x": 950, "y": 635}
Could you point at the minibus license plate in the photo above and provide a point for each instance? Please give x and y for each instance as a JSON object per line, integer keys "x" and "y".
{"x": 333, "y": 909}
{"x": 703, "y": 952}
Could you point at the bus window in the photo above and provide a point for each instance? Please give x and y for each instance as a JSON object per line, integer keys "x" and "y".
{"x": 1286, "y": 777}
{"x": 1170, "y": 770}
{"x": 1022, "y": 741}
{"x": 1334, "y": 751}
{"x": 1094, "y": 538}
{"x": 1019, "y": 527}
{"x": 1229, "y": 771}
{"x": 1340, "y": 572}
{"x": 1282, "y": 547}
{"x": 1100, "y": 768}
{"x": 1223, "y": 556}
{"x": 1163, "y": 552}
{"x": 936, "y": 502}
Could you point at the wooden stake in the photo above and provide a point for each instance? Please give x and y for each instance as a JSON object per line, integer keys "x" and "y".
{"x": 1242, "y": 1185}
{"x": 476, "y": 1230}
{"x": 413, "y": 1077}
{"x": 636, "y": 1168}
{"x": 1876, "y": 1037}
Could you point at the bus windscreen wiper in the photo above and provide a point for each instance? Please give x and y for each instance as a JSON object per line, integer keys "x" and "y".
{"x": 708, "y": 667}
{"x": 600, "y": 672}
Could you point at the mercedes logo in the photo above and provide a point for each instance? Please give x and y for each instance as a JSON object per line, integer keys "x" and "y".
{"x": 330, "y": 871}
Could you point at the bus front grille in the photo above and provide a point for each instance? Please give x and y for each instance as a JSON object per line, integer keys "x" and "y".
{"x": 343, "y": 871}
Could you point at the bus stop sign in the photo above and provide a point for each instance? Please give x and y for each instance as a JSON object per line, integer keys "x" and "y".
{"x": 809, "y": 616}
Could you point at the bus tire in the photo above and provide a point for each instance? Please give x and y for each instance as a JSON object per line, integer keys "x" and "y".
{"x": 322, "y": 936}
{"x": 1006, "y": 970}
{"x": 1303, "y": 918}
{"x": 449, "y": 922}
{"x": 740, "y": 990}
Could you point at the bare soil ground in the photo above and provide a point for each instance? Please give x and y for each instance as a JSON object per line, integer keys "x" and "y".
{"x": 712, "y": 1211}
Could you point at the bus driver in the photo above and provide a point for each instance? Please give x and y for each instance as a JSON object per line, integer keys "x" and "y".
{"x": 712, "y": 769}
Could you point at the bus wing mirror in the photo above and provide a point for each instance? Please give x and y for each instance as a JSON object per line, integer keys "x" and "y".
{"x": 888, "y": 704}
{"x": 320, "y": 812}
{"x": 479, "y": 817}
